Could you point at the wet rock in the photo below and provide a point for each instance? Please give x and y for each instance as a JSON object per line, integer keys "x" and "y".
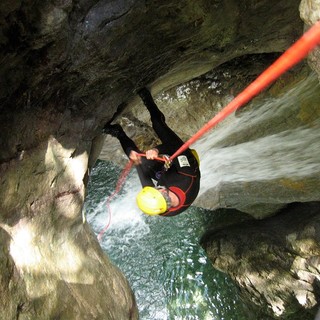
{"x": 275, "y": 262}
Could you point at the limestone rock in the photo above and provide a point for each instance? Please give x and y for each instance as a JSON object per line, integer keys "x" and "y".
{"x": 275, "y": 262}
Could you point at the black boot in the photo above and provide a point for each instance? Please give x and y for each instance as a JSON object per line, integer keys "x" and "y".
{"x": 115, "y": 130}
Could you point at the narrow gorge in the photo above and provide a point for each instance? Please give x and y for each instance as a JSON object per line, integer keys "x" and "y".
{"x": 68, "y": 66}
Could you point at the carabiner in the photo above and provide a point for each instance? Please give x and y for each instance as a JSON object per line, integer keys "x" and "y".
{"x": 167, "y": 161}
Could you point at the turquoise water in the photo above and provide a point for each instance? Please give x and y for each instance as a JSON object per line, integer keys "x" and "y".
{"x": 161, "y": 257}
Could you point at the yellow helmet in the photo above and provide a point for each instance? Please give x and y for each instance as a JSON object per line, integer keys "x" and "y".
{"x": 152, "y": 201}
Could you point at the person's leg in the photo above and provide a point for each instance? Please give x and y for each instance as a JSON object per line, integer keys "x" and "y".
{"x": 164, "y": 132}
{"x": 148, "y": 168}
{"x": 116, "y": 131}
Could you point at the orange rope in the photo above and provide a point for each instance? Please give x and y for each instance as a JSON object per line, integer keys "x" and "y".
{"x": 287, "y": 60}
{"x": 156, "y": 158}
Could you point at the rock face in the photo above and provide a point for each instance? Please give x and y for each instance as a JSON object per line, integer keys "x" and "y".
{"x": 56, "y": 270}
{"x": 66, "y": 66}
{"x": 275, "y": 262}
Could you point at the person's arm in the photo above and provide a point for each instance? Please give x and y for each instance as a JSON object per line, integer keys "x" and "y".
{"x": 134, "y": 156}
{"x": 144, "y": 173}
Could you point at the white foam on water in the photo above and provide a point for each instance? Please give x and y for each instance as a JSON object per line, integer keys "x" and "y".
{"x": 127, "y": 221}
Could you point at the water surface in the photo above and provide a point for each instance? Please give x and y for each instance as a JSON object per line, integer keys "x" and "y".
{"x": 161, "y": 257}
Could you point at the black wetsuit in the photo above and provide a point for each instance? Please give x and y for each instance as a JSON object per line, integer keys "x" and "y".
{"x": 182, "y": 178}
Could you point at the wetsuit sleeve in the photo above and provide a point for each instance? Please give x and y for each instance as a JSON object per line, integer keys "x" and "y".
{"x": 144, "y": 179}
{"x": 147, "y": 171}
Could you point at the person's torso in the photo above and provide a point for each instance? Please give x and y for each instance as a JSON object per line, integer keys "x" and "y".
{"x": 183, "y": 178}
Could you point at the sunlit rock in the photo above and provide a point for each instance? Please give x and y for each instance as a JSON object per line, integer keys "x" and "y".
{"x": 275, "y": 262}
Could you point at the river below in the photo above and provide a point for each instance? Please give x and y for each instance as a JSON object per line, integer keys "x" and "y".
{"x": 161, "y": 257}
